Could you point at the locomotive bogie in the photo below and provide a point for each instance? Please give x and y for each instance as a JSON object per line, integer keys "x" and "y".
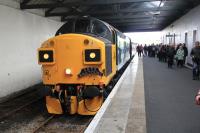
{"x": 81, "y": 99}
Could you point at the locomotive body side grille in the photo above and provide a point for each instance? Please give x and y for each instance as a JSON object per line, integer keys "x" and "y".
{"x": 108, "y": 59}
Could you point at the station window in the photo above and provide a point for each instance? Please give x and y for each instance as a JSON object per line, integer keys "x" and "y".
{"x": 194, "y": 36}
{"x": 174, "y": 38}
{"x": 186, "y": 38}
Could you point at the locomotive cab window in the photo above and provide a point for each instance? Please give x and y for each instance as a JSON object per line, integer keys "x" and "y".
{"x": 100, "y": 29}
{"x": 82, "y": 26}
{"x": 66, "y": 28}
{"x": 87, "y": 26}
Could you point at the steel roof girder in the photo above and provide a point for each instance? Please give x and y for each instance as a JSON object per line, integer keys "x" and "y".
{"x": 82, "y": 3}
{"x": 135, "y": 10}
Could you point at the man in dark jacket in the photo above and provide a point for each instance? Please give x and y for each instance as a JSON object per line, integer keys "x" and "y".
{"x": 195, "y": 54}
{"x": 145, "y": 50}
{"x": 170, "y": 55}
{"x": 149, "y": 51}
{"x": 153, "y": 50}
{"x": 185, "y": 52}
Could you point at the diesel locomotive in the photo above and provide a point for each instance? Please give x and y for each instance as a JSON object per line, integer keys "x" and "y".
{"x": 79, "y": 63}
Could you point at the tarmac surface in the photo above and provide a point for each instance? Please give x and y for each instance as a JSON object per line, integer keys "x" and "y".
{"x": 169, "y": 98}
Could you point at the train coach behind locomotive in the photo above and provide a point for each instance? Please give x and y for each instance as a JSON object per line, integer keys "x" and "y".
{"x": 79, "y": 63}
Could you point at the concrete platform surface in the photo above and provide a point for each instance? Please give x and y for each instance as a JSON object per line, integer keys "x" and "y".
{"x": 137, "y": 116}
{"x": 120, "y": 111}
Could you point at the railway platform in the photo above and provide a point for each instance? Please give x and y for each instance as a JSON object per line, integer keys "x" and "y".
{"x": 124, "y": 109}
{"x": 150, "y": 98}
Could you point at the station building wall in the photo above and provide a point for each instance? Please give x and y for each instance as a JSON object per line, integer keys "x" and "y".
{"x": 21, "y": 34}
{"x": 184, "y": 30}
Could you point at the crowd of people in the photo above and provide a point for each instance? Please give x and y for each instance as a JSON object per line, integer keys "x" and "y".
{"x": 173, "y": 54}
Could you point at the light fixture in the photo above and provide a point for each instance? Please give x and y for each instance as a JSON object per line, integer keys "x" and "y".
{"x": 46, "y": 56}
{"x": 92, "y": 55}
{"x": 159, "y": 3}
{"x": 68, "y": 71}
{"x": 155, "y": 12}
{"x": 155, "y": 3}
{"x": 162, "y": 4}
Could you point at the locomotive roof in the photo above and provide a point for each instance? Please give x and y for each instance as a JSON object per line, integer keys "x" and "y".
{"x": 92, "y": 18}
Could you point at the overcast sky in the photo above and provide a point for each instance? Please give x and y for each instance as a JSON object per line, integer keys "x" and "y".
{"x": 145, "y": 37}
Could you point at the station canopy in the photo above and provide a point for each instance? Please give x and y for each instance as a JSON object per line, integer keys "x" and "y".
{"x": 125, "y": 15}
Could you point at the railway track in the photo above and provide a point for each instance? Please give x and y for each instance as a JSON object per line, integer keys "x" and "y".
{"x": 43, "y": 124}
{"x": 18, "y": 116}
{"x": 63, "y": 124}
{"x": 11, "y": 112}
{"x": 26, "y": 113}
{"x": 72, "y": 124}
{"x": 13, "y": 105}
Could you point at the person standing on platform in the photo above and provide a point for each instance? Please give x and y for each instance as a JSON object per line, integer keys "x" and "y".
{"x": 163, "y": 53}
{"x": 149, "y": 50}
{"x": 139, "y": 50}
{"x": 170, "y": 55}
{"x": 178, "y": 46}
{"x": 195, "y": 54}
{"x": 180, "y": 56}
{"x": 145, "y": 50}
{"x": 157, "y": 49}
{"x": 153, "y": 48}
{"x": 185, "y": 52}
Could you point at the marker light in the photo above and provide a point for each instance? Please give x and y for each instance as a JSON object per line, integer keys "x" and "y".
{"x": 86, "y": 41}
{"x": 92, "y": 55}
{"x": 68, "y": 71}
{"x": 46, "y": 56}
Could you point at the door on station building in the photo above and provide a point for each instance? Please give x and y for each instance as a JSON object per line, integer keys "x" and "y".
{"x": 188, "y": 58}
{"x": 174, "y": 38}
{"x": 170, "y": 37}
{"x": 194, "y": 37}
{"x": 186, "y": 39}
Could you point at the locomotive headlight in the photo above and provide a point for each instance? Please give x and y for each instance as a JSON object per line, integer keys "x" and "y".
{"x": 68, "y": 71}
{"x": 46, "y": 56}
{"x": 92, "y": 55}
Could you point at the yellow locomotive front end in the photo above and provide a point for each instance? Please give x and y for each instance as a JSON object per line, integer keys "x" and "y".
{"x": 76, "y": 68}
